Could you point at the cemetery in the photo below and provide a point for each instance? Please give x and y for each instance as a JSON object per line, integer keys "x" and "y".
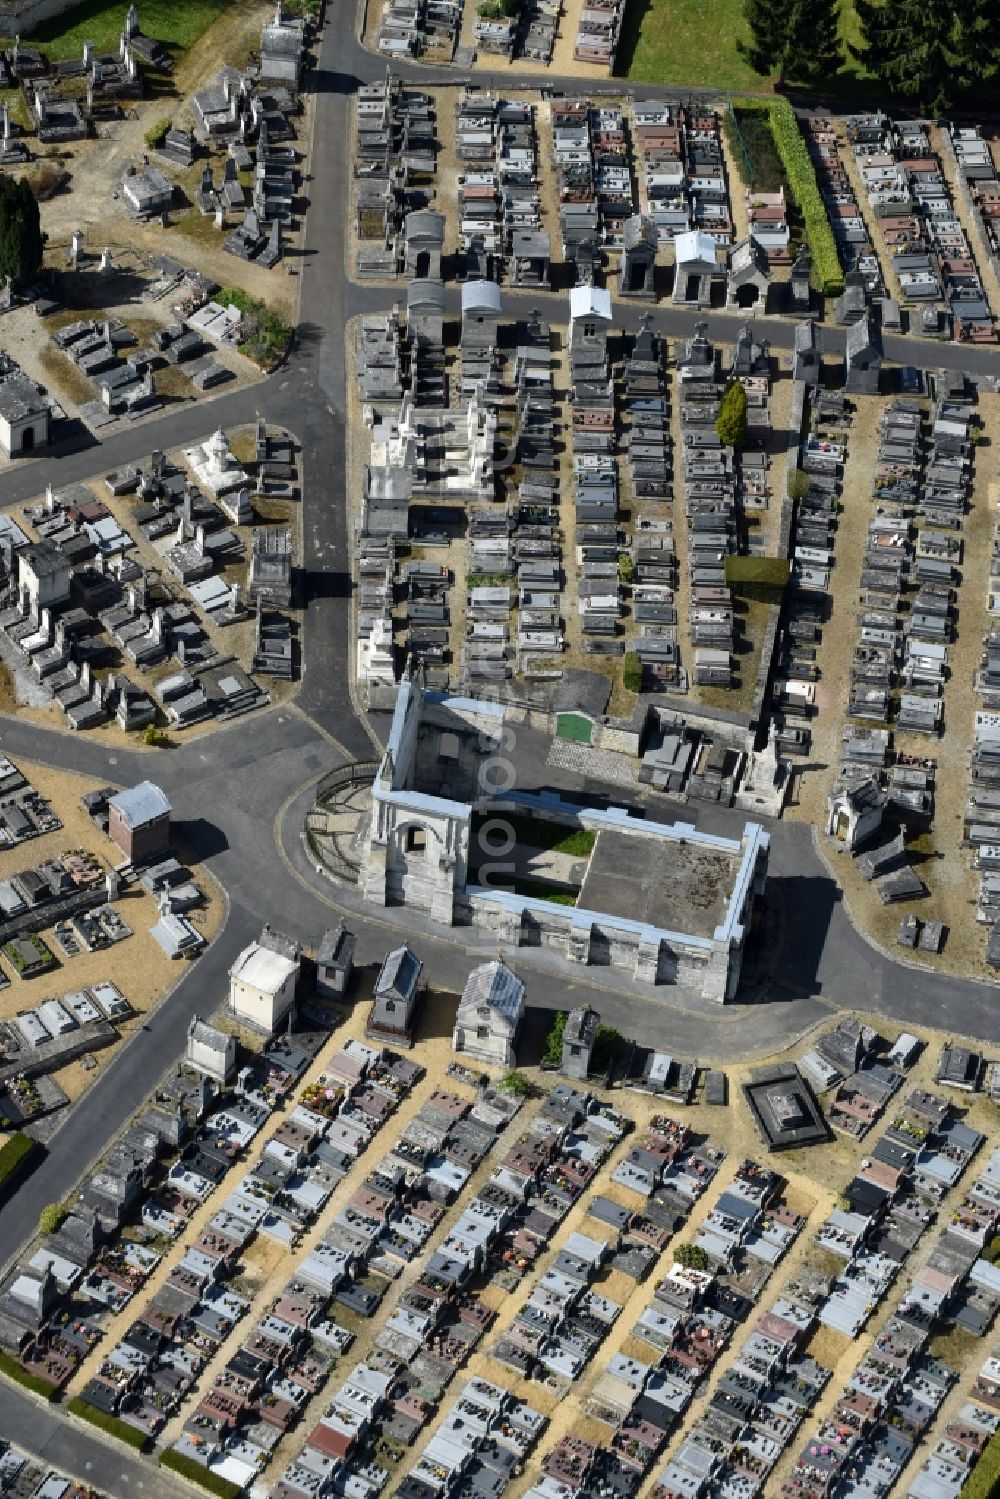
{"x": 89, "y": 882}
{"x": 329, "y": 1258}
{"x": 137, "y": 604}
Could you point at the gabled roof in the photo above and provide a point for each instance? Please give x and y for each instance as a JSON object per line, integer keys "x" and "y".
{"x": 497, "y": 986}
{"x": 694, "y": 246}
{"x": 480, "y": 296}
{"x": 590, "y": 301}
{"x": 399, "y": 975}
{"x": 141, "y": 804}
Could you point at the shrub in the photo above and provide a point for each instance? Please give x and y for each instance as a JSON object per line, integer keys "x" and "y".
{"x": 691, "y": 1257}
{"x": 263, "y": 336}
{"x": 154, "y": 736}
{"x": 51, "y": 1218}
{"x": 13, "y": 1154}
{"x": 188, "y": 1468}
{"x": 763, "y": 578}
{"x": 732, "y": 422}
{"x": 625, "y": 568}
{"x": 798, "y": 484}
{"x": 33, "y": 1382}
{"x": 516, "y": 1083}
{"x": 157, "y": 134}
{"x": 552, "y": 1052}
{"x": 632, "y": 672}
{"x": 801, "y": 177}
{"x": 130, "y": 1435}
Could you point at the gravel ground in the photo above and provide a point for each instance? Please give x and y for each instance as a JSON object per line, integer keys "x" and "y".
{"x": 137, "y": 965}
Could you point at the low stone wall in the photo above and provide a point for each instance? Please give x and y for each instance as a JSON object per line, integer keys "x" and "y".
{"x": 19, "y": 17}
{"x": 796, "y": 429}
{"x": 597, "y": 945}
{"x": 60, "y": 1051}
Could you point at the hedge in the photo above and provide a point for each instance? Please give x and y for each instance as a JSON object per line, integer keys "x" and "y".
{"x": 13, "y": 1154}
{"x": 34, "y": 1382}
{"x": 801, "y": 175}
{"x": 771, "y": 572}
{"x": 984, "y": 1480}
{"x": 188, "y": 1468}
{"x": 130, "y": 1435}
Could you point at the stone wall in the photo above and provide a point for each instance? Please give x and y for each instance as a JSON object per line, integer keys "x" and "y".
{"x": 20, "y": 17}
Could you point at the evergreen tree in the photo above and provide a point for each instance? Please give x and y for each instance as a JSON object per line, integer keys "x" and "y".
{"x": 812, "y": 40}
{"x": 767, "y": 22}
{"x": 796, "y": 38}
{"x": 919, "y": 49}
{"x": 732, "y": 421}
{"x": 20, "y": 232}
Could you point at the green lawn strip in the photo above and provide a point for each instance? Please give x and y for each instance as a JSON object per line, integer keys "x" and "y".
{"x": 111, "y": 1425}
{"x": 535, "y": 832}
{"x": 176, "y": 23}
{"x": 984, "y": 1480}
{"x": 13, "y": 1154}
{"x": 539, "y": 890}
{"x": 33, "y": 1382}
{"x": 688, "y": 42}
{"x": 186, "y": 1467}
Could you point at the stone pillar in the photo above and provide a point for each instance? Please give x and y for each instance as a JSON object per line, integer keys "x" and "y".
{"x": 106, "y": 266}
{"x": 647, "y": 961}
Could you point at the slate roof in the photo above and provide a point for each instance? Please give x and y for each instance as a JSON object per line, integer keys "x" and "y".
{"x": 141, "y": 804}
{"x": 495, "y": 985}
{"x": 399, "y": 975}
{"x": 19, "y": 397}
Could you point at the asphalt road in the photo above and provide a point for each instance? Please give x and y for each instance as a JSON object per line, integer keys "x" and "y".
{"x": 238, "y": 794}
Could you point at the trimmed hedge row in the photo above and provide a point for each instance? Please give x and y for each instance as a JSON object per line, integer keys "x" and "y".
{"x": 801, "y": 175}
{"x": 33, "y": 1382}
{"x": 13, "y": 1154}
{"x": 130, "y": 1435}
{"x": 188, "y": 1468}
{"x": 984, "y": 1480}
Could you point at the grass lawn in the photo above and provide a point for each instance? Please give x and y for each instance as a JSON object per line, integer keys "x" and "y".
{"x": 535, "y": 832}
{"x": 694, "y": 42}
{"x": 176, "y": 23}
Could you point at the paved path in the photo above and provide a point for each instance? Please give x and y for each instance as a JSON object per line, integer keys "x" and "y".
{"x": 239, "y": 794}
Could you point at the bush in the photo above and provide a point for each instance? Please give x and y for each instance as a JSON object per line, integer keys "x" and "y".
{"x": 188, "y": 1468}
{"x": 33, "y": 1382}
{"x": 516, "y": 1083}
{"x": 263, "y": 337}
{"x": 632, "y": 672}
{"x": 130, "y": 1435}
{"x": 691, "y": 1257}
{"x": 763, "y": 578}
{"x": 798, "y": 484}
{"x": 625, "y": 568}
{"x": 732, "y": 422}
{"x": 552, "y": 1051}
{"x": 801, "y": 176}
{"x": 154, "y": 736}
{"x": 155, "y": 136}
{"x": 52, "y": 1218}
{"x": 13, "y": 1154}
